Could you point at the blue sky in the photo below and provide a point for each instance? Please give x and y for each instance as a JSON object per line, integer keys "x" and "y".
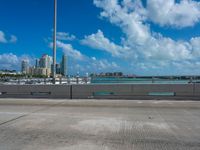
{"x": 154, "y": 37}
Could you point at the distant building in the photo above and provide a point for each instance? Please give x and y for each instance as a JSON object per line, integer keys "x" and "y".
{"x": 58, "y": 69}
{"x": 117, "y": 74}
{"x": 45, "y": 61}
{"x": 40, "y": 71}
{"x": 108, "y": 74}
{"x": 63, "y": 66}
{"x": 10, "y": 72}
{"x": 37, "y": 64}
{"x": 43, "y": 66}
{"x": 24, "y": 67}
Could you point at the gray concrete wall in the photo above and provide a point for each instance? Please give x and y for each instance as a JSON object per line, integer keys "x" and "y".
{"x": 134, "y": 91}
{"x": 33, "y": 91}
{"x": 103, "y": 91}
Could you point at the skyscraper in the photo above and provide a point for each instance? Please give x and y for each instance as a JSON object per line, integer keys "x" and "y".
{"x": 57, "y": 68}
{"x": 45, "y": 61}
{"x": 64, "y": 65}
{"x": 37, "y": 63}
{"x": 24, "y": 66}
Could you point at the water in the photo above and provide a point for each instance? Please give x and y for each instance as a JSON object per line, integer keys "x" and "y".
{"x": 125, "y": 80}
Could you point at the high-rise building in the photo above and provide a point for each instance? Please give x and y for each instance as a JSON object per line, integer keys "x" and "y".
{"x": 49, "y": 62}
{"x": 24, "y": 66}
{"x": 63, "y": 65}
{"x": 37, "y": 65}
{"x": 44, "y": 66}
{"x": 40, "y": 71}
{"x": 45, "y": 61}
{"x": 58, "y": 69}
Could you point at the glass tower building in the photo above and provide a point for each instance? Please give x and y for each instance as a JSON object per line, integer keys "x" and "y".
{"x": 63, "y": 65}
{"x": 24, "y": 67}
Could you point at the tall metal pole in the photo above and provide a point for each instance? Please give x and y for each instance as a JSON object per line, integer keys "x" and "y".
{"x": 54, "y": 41}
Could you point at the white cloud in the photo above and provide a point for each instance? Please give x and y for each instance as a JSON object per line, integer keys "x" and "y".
{"x": 92, "y": 65}
{"x": 93, "y": 58}
{"x": 63, "y": 36}
{"x": 100, "y": 42}
{"x": 12, "y": 61}
{"x": 13, "y": 39}
{"x": 131, "y": 17}
{"x": 102, "y": 65}
{"x": 70, "y": 51}
{"x": 195, "y": 43}
{"x": 166, "y": 49}
{"x": 4, "y": 39}
{"x": 8, "y": 60}
{"x": 169, "y": 13}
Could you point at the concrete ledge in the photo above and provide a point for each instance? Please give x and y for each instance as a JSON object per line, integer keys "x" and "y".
{"x": 101, "y": 103}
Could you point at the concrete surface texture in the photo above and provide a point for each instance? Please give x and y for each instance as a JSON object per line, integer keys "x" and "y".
{"x": 103, "y": 91}
{"x": 99, "y": 125}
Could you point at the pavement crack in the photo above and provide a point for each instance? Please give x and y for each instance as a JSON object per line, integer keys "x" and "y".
{"x": 8, "y": 121}
{"x": 28, "y": 114}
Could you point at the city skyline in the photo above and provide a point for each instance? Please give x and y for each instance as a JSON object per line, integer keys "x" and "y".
{"x": 44, "y": 67}
{"x": 154, "y": 37}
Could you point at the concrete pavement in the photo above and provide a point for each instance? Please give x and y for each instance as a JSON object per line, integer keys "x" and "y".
{"x": 99, "y": 125}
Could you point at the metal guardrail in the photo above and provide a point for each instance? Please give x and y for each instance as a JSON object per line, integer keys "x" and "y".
{"x": 40, "y": 81}
{"x": 101, "y": 80}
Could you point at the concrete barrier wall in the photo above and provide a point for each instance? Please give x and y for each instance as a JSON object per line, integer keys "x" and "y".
{"x": 33, "y": 91}
{"x": 98, "y": 91}
{"x": 103, "y": 91}
{"x": 127, "y": 91}
{"x": 197, "y": 90}
{"x": 177, "y": 89}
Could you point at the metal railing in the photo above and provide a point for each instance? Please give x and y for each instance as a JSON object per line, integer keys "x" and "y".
{"x": 44, "y": 81}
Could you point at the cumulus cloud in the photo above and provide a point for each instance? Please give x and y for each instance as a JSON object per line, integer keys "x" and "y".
{"x": 4, "y": 39}
{"x": 195, "y": 43}
{"x": 70, "y": 51}
{"x": 12, "y": 61}
{"x": 132, "y": 18}
{"x": 92, "y": 65}
{"x": 63, "y": 36}
{"x": 100, "y": 65}
{"x": 103, "y": 65}
{"x": 170, "y": 13}
{"x": 13, "y": 39}
{"x": 8, "y": 60}
{"x": 100, "y": 42}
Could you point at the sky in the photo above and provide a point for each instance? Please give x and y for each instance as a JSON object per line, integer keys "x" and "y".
{"x": 143, "y": 37}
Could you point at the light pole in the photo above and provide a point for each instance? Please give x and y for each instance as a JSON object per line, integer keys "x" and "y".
{"x": 54, "y": 41}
